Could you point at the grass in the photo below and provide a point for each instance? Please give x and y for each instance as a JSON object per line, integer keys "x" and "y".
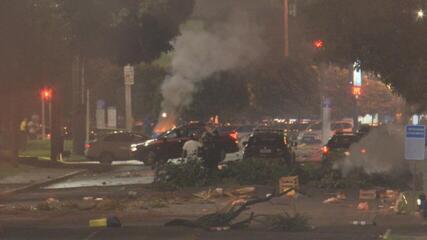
{"x": 41, "y": 149}
{"x": 8, "y": 169}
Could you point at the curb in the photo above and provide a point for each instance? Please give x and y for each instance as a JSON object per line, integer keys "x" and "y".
{"x": 41, "y": 184}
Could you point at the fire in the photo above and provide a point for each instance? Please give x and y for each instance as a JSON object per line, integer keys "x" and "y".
{"x": 164, "y": 125}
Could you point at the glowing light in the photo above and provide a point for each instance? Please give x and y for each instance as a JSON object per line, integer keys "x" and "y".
{"x": 420, "y": 14}
{"x": 164, "y": 115}
{"x": 318, "y": 43}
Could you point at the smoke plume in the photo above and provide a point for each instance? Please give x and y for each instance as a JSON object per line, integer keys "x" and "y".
{"x": 384, "y": 152}
{"x": 222, "y": 44}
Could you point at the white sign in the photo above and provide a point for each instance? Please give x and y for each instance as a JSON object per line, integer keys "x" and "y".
{"x": 415, "y": 142}
{"x": 111, "y": 117}
{"x": 357, "y": 75}
{"x": 100, "y": 118}
{"x": 129, "y": 75}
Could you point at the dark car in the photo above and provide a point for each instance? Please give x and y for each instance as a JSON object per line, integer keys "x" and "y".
{"x": 269, "y": 144}
{"x": 169, "y": 144}
{"x": 107, "y": 148}
{"x": 338, "y": 148}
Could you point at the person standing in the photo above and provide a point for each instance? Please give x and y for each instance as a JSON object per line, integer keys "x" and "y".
{"x": 191, "y": 148}
{"x": 211, "y": 151}
{"x": 23, "y": 134}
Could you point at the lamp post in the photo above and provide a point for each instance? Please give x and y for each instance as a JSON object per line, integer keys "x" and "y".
{"x": 46, "y": 96}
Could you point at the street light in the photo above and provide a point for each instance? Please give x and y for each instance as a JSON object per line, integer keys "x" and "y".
{"x": 46, "y": 96}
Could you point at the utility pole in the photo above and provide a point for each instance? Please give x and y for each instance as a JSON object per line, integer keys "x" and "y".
{"x": 87, "y": 115}
{"x": 286, "y": 27}
{"x": 129, "y": 77}
{"x": 43, "y": 120}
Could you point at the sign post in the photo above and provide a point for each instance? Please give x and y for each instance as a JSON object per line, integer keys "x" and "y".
{"x": 415, "y": 146}
{"x": 129, "y": 81}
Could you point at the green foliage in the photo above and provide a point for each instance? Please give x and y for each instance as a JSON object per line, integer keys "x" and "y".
{"x": 258, "y": 171}
{"x": 250, "y": 171}
{"x": 385, "y": 35}
{"x": 189, "y": 174}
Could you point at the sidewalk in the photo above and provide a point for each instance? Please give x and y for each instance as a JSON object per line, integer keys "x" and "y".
{"x": 23, "y": 176}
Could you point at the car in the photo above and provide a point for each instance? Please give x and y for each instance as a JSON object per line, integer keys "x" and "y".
{"x": 168, "y": 145}
{"x": 342, "y": 126}
{"x": 243, "y": 133}
{"x": 338, "y": 148}
{"x": 269, "y": 143}
{"x": 313, "y": 134}
{"x": 110, "y": 147}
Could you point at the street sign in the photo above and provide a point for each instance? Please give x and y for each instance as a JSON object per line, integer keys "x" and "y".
{"x": 357, "y": 74}
{"x": 129, "y": 75}
{"x": 415, "y": 142}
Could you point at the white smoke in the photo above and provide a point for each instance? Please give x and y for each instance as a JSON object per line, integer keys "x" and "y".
{"x": 384, "y": 152}
{"x": 233, "y": 43}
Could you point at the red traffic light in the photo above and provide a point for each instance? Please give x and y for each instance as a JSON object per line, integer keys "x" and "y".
{"x": 46, "y": 94}
{"x": 319, "y": 43}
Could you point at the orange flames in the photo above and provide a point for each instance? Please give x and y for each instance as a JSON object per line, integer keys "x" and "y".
{"x": 164, "y": 125}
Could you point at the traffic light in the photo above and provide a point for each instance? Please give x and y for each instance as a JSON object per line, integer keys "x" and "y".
{"x": 319, "y": 43}
{"x": 46, "y": 94}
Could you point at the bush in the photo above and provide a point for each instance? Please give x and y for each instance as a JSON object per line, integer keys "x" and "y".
{"x": 249, "y": 171}
{"x": 188, "y": 174}
{"x": 258, "y": 171}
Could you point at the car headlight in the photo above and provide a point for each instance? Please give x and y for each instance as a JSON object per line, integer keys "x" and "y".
{"x": 347, "y": 153}
{"x": 133, "y": 147}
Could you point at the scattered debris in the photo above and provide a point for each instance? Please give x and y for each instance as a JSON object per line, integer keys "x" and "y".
{"x": 332, "y": 200}
{"x": 291, "y": 182}
{"x": 224, "y": 219}
{"x": 108, "y": 204}
{"x": 132, "y": 194}
{"x": 341, "y": 196}
{"x": 51, "y": 200}
{"x": 105, "y": 222}
{"x": 363, "y": 206}
{"x": 368, "y": 194}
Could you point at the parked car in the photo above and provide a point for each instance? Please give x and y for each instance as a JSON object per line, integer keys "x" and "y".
{"x": 313, "y": 134}
{"x": 265, "y": 143}
{"x": 111, "y": 147}
{"x": 243, "y": 133}
{"x": 342, "y": 126}
{"x": 169, "y": 144}
{"x": 338, "y": 148}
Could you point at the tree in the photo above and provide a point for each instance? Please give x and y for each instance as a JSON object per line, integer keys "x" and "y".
{"x": 122, "y": 31}
{"x": 33, "y": 54}
{"x": 384, "y": 35}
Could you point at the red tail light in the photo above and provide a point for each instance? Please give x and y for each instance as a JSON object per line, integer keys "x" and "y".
{"x": 233, "y": 135}
{"x": 363, "y": 150}
{"x": 325, "y": 150}
{"x": 88, "y": 145}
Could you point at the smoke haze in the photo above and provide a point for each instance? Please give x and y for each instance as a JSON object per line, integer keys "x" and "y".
{"x": 232, "y": 41}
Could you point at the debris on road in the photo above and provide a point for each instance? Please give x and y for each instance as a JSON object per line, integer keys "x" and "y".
{"x": 368, "y": 194}
{"x": 105, "y": 222}
{"x": 226, "y": 217}
{"x": 363, "y": 206}
{"x": 132, "y": 194}
{"x": 332, "y": 200}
